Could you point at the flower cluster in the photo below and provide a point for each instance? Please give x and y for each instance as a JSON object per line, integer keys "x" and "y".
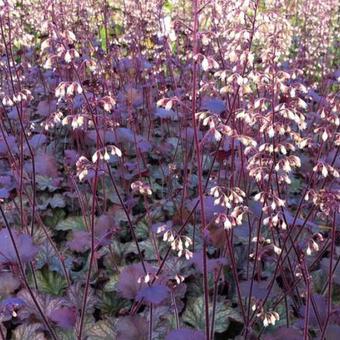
{"x": 143, "y": 189}
{"x": 106, "y": 152}
{"x": 83, "y": 165}
{"x": 227, "y": 198}
{"x": 68, "y": 89}
{"x": 178, "y": 243}
{"x": 233, "y": 219}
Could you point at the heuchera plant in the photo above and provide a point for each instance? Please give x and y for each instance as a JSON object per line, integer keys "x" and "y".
{"x": 169, "y": 169}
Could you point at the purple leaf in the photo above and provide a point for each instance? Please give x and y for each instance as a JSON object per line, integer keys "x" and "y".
{"x": 128, "y": 285}
{"x": 27, "y": 250}
{"x": 132, "y": 328}
{"x": 155, "y": 294}
{"x": 71, "y": 157}
{"x": 36, "y": 141}
{"x": 321, "y": 309}
{"x": 13, "y": 114}
{"x": 185, "y": 334}
{"x": 164, "y": 114}
{"x": 4, "y": 193}
{"x": 315, "y": 96}
{"x": 46, "y": 107}
{"x": 332, "y": 332}
{"x": 11, "y": 144}
{"x": 143, "y": 144}
{"x": 213, "y": 105}
{"x": 210, "y": 208}
{"x": 7, "y": 183}
{"x": 124, "y": 135}
{"x": 104, "y": 229}
{"x": 285, "y": 333}
{"x": 213, "y": 264}
{"x": 128, "y": 64}
{"x": 259, "y": 289}
{"x": 45, "y": 165}
{"x": 8, "y": 283}
{"x": 188, "y": 134}
{"x": 64, "y": 317}
{"x": 81, "y": 241}
{"x": 106, "y": 137}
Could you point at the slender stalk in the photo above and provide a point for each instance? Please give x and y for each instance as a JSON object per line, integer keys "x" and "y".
{"x": 196, "y": 5}
{"x": 23, "y": 275}
{"x": 2, "y": 334}
{"x": 330, "y": 278}
{"x": 150, "y": 322}
{"x": 92, "y": 253}
{"x": 306, "y": 318}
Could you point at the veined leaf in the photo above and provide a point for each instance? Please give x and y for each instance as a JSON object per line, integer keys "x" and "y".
{"x": 29, "y": 331}
{"x": 194, "y": 314}
{"x": 51, "y": 282}
{"x": 102, "y": 330}
{"x": 71, "y": 223}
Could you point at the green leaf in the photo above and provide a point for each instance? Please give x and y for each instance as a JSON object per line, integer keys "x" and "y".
{"x": 318, "y": 278}
{"x": 118, "y": 30}
{"x": 164, "y": 321}
{"x": 194, "y": 314}
{"x": 110, "y": 286}
{"x": 29, "y": 331}
{"x": 119, "y": 250}
{"x": 336, "y": 294}
{"x": 142, "y": 230}
{"x": 51, "y": 282}
{"x": 48, "y": 257}
{"x": 147, "y": 248}
{"x": 103, "y": 37}
{"x": 57, "y": 216}
{"x": 57, "y": 201}
{"x": 194, "y": 288}
{"x": 45, "y": 183}
{"x": 101, "y": 330}
{"x": 71, "y": 223}
{"x": 325, "y": 263}
{"x": 112, "y": 197}
{"x": 119, "y": 214}
{"x": 168, "y": 7}
{"x": 76, "y": 296}
{"x": 296, "y": 185}
{"x": 67, "y": 334}
{"x": 111, "y": 303}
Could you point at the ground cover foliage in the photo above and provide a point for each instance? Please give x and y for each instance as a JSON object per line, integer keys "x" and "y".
{"x": 169, "y": 169}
